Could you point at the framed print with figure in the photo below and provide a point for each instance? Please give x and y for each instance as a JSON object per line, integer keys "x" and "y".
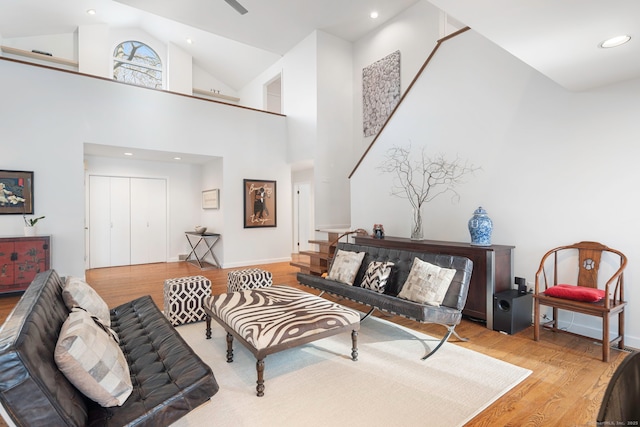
{"x": 260, "y": 208}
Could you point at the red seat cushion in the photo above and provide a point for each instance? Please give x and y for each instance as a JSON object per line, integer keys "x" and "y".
{"x": 578, "y": 293}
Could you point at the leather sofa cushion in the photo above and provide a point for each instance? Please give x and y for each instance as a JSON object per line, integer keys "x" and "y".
{"x": 169, "y": 379}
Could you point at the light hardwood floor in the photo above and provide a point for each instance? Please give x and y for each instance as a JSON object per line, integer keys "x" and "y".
{"x": 565, "y": 388}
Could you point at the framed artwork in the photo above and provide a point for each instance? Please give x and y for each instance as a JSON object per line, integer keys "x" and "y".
{"x": 211, "y": 199}
{"x": 16, "y": 192}
{"x": 380, "y": 92}
{"x": 259, "y": 203}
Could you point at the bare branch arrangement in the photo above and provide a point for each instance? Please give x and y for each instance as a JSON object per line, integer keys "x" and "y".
{"x": 423, "y": 179}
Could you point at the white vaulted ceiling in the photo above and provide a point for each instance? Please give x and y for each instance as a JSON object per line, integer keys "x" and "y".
{"x": 558, "y": 38}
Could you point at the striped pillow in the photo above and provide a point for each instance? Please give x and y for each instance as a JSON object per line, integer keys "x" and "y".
{"x": 376, "y": 276}
{"x": 92, "y": 361}
{"x": 78, "y": 293}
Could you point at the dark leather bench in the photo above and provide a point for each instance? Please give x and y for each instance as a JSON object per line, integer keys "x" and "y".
{"x": 168, "y": 378}
{"x": 449, "y": 314}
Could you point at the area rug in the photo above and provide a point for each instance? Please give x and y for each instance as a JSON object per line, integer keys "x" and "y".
{"x": 319, "y": 385}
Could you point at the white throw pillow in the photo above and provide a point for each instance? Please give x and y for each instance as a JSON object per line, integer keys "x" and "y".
{"x": 92, "y": 361}
{"x": 78, "y": 293}
{"x": 427, "y": 283}
{"x": 345, "y": 266}
{"x": 376, "y": 276}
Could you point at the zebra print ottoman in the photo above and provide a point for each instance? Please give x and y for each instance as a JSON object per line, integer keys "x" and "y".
{"x": 183, "y": 298}
{"x": 251, "y": 278}
{"x": 276, "y": 318}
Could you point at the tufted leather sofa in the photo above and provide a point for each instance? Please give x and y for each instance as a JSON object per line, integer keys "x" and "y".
{"x": 449, "y": 314}
{"x": 169, "y": 379}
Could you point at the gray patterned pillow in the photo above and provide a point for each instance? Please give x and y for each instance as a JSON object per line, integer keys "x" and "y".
{"x": 345, "y": 266}
{"x": 376, "y": 276}
{"x": 427, "y": 283}
{"x": 78, "y": 293}
{"x": 92, "y": 361}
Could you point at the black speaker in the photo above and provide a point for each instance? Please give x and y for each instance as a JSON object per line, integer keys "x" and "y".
{"x": 511, "y": 311}
{"x": 522, "y": 285}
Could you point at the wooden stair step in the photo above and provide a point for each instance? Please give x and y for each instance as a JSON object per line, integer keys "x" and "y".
{"x": 309, "y": 268}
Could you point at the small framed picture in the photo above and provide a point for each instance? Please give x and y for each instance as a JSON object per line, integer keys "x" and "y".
{"x": 16, "y": 192}
{"x": 211, "y": 199}
{"x": 259, "y": 203}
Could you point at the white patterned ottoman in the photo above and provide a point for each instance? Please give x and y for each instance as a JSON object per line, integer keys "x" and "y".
{"x": 183, "y": 298}
{"x": 251, "y": 278}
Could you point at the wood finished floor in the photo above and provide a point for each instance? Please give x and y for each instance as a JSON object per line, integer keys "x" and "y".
{"x": 565, "y": 388}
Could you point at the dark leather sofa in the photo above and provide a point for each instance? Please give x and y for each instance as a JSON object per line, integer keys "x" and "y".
{"x": 169, "y": 379}
{"x": 449, "y": 314}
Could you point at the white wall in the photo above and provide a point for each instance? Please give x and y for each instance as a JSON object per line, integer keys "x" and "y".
{"x": 213, "y": 219}
{"x": 92, "y": 56}
{"x": 298, "y": 68}
{"x": 317, "y": 99}
{"x": 46, "y": 116}
{"x": 179, "y": 70}
{"x": 333, "y": 150}
{"x": 205, "y": 81}
{"x": 557, "y": 167}
{"x": 414, "y": 32}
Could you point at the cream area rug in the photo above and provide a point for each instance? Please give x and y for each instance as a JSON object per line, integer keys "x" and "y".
{"x": 318, "y": 384}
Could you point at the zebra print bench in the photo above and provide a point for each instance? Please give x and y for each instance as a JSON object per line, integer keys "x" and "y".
{"x": 269, "y": 320}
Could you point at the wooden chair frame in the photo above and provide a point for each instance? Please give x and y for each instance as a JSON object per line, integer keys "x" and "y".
{"x": 589, "y": 256}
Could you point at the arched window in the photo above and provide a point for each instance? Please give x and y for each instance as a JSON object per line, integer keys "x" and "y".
{"x": 136, "y": 63}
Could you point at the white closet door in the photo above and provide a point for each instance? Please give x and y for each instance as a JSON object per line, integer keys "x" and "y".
{"x": 109, "y": 235}
{"x": 148, "y": 220}
{"x": 120, "y": 221}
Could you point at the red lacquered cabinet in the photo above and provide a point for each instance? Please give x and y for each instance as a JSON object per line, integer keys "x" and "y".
{"x": 21, "y": 258}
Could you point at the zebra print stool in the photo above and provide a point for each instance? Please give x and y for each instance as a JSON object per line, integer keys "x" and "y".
{"x": 277, "y": 318}
{"x": 183, "y": 298}
{"x": 251, "y": 278}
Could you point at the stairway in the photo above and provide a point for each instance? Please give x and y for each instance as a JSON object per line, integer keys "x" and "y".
{"x": 317, "y": 262}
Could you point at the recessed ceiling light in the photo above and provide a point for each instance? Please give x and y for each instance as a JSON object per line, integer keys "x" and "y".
{"x": 128, "y": 154}
{"x": 177, "y": 158}
{"x": 615, "y": 41}
{"x": 91, "y": 11}
{"x": 189, "y": 41}
{"x": 374, "y": 14}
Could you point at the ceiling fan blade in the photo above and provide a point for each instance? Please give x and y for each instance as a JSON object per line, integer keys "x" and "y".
{"x": 237, "y": 6}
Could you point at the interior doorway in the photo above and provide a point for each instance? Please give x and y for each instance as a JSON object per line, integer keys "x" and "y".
{"x": 273, "y": 95}
{"x": 302, "y": 217}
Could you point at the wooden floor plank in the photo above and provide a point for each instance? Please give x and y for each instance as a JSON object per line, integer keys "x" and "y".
{"x": 565, "y": 388}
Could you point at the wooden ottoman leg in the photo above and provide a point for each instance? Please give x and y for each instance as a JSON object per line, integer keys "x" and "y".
{"x": 260, "y": 382}
{"x": 229, "y": 347}
{"x": 208, "y": 333}
{"x": 354, "y": 348}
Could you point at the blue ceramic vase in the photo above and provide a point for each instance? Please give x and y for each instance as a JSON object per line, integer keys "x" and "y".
{"x": 480, "y": 228}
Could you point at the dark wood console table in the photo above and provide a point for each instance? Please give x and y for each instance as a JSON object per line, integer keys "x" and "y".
{"x": 492, "y": 268}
